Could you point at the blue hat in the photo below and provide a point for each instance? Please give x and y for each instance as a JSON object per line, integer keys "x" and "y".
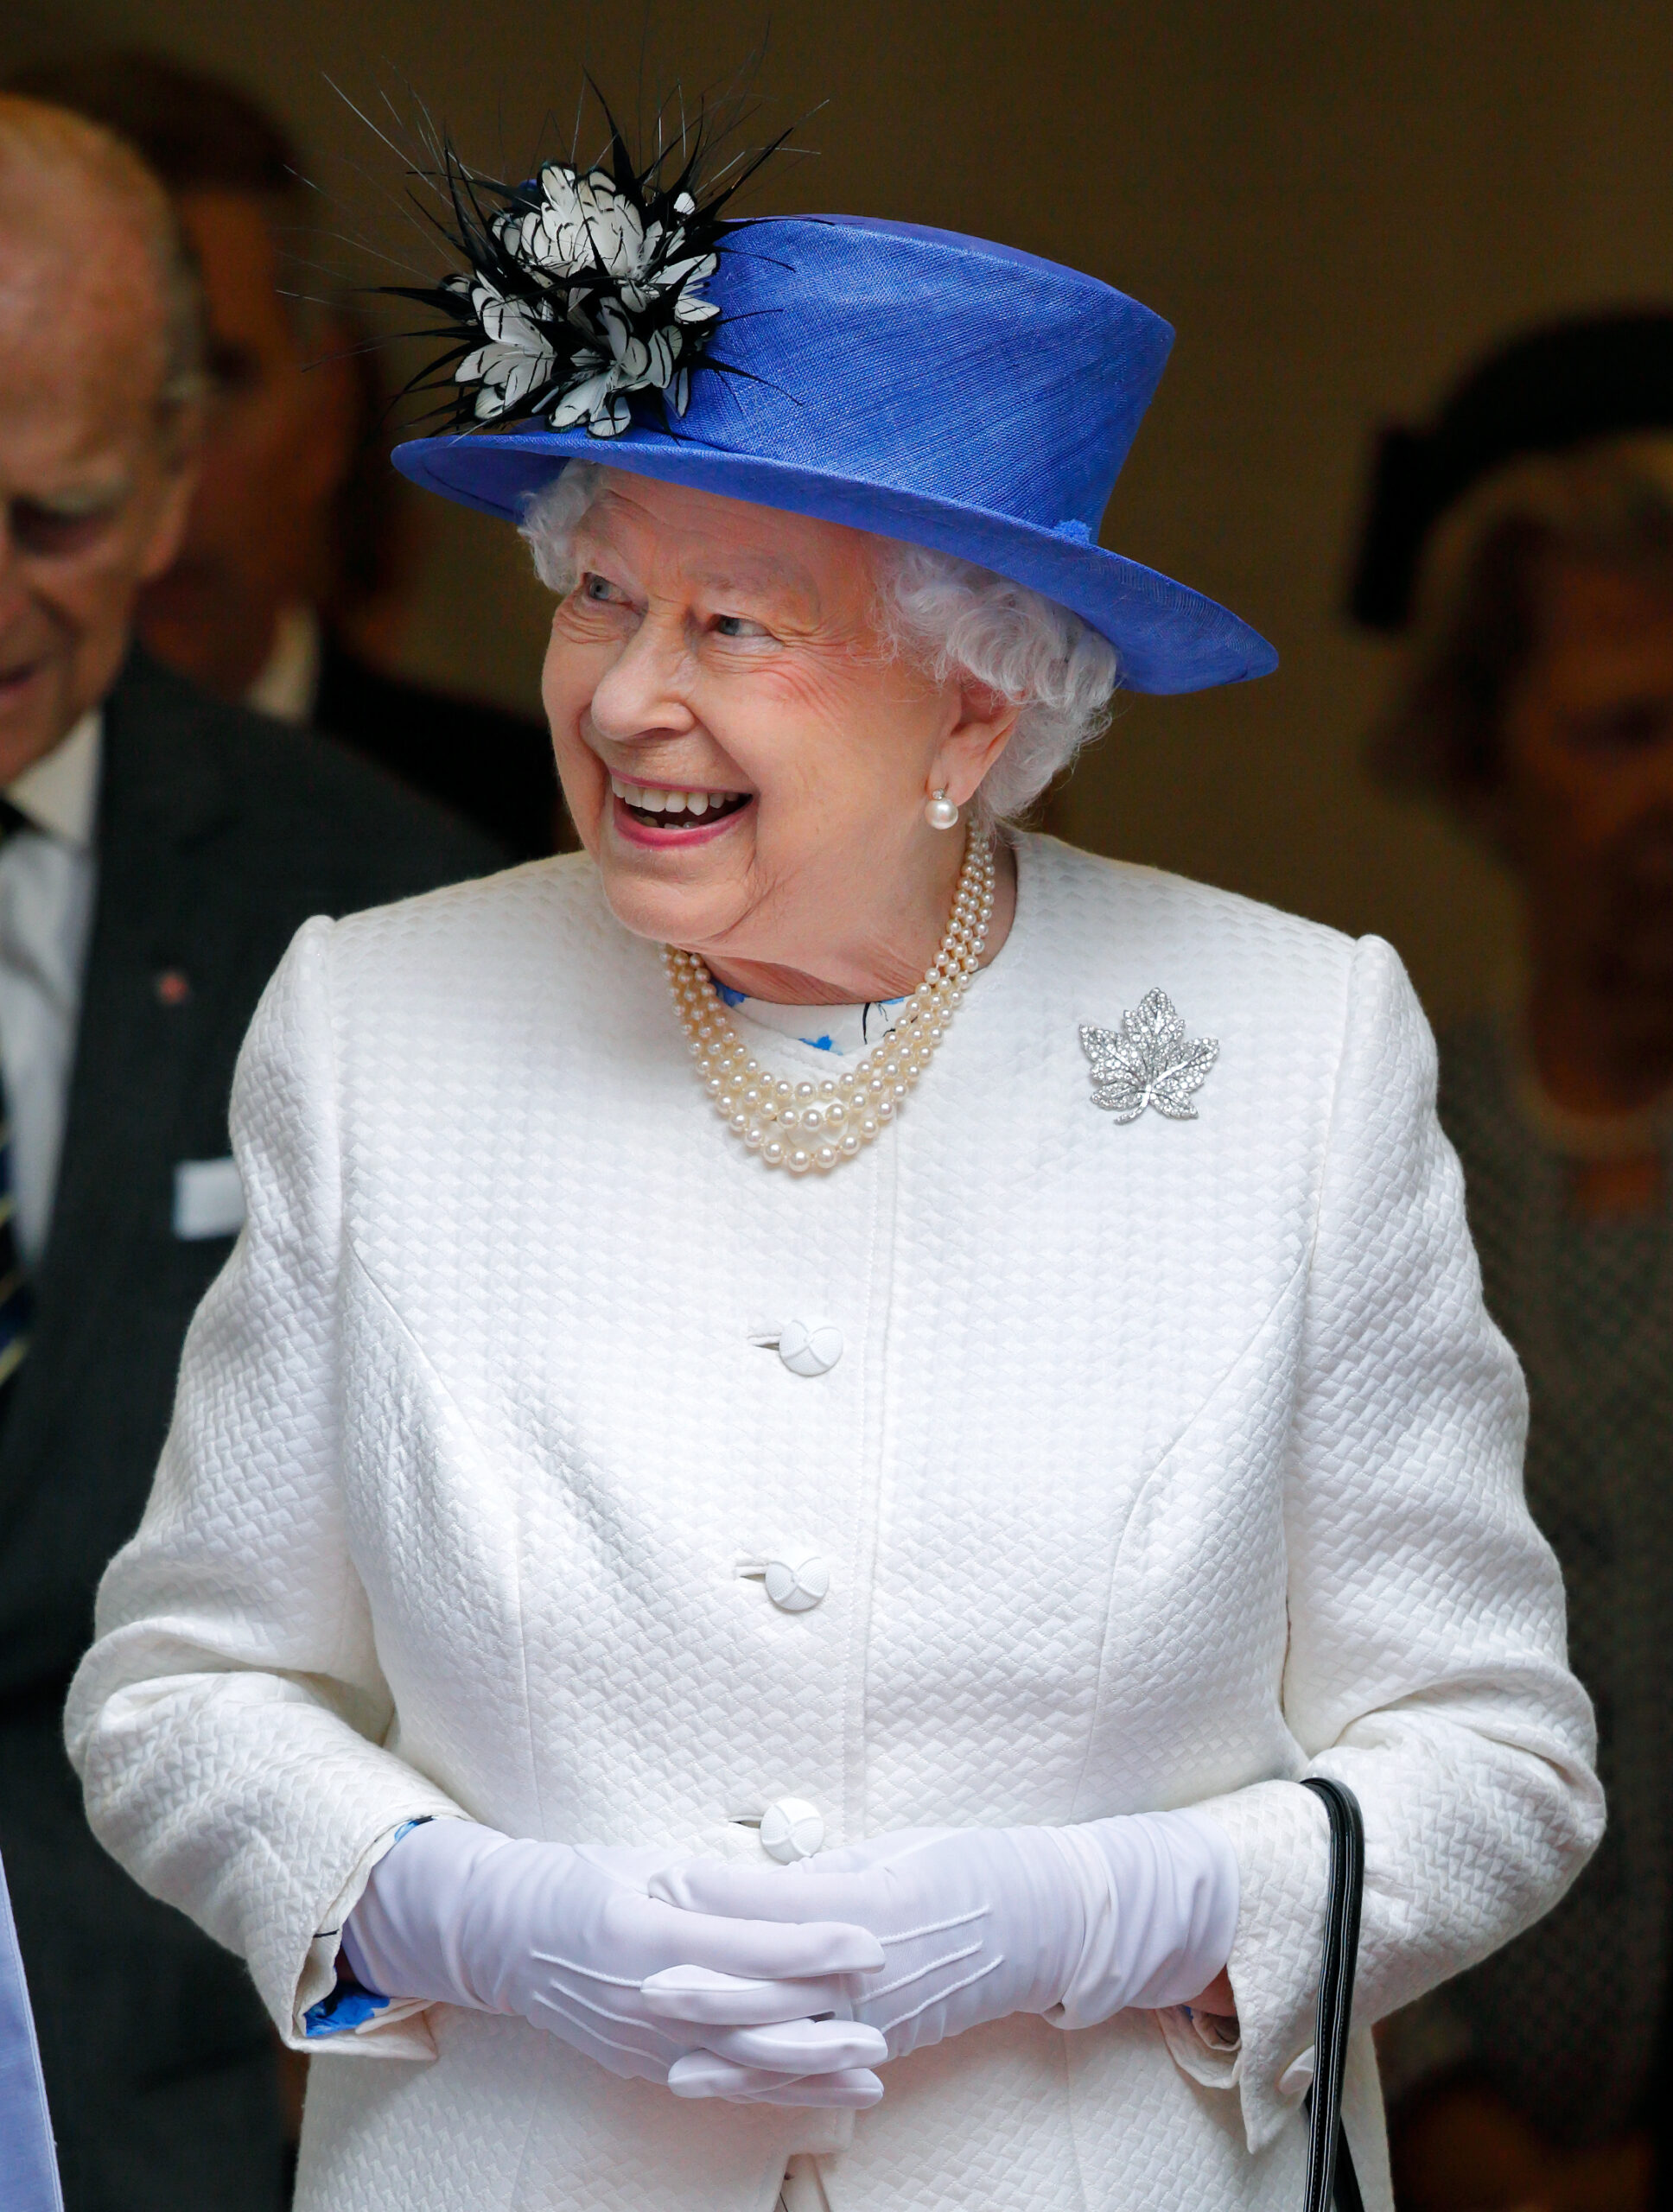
{"x": 925, "y": 387}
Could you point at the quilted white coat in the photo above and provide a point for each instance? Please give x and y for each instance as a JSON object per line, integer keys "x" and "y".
{"x": 1163, "y": 1461}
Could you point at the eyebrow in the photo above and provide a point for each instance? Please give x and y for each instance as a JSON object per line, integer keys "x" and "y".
{"x": 740, "y": 572}
{"x": 749, "y": 573}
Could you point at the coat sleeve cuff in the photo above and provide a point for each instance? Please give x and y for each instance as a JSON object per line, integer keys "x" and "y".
{"x": 1209, "y": 2048}
{"x": 328, "y": 2010}
{"x": 1282, "y": 1838}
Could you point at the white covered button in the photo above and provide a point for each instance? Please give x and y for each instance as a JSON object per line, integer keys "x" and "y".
{"x": 798, "y": 1583}
{"x": 810, "y": 1347}
{"x": 791, "y": 1829}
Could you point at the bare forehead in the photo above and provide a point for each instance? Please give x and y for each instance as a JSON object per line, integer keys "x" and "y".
{"x": 79, "y": 229}
{"x": 57, "y": 273}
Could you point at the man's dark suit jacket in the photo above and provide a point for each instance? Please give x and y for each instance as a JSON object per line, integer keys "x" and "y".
{"x": 494, "y": 768}
{"x": 218, "y": 833}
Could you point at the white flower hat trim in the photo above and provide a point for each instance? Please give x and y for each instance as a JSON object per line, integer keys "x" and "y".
{"x": 583, "y": 288}
{"x": 517, "y": 359}
{"x": 588, "y": 229}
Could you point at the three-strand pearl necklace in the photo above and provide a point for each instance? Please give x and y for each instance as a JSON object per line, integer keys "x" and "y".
{"x": 803, "y": 1126}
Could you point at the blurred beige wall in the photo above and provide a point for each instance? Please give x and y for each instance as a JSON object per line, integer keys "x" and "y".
{"x": 1333, "y": 203}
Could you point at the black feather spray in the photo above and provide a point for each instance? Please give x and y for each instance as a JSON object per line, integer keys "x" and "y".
{"x": 582, "y": 290}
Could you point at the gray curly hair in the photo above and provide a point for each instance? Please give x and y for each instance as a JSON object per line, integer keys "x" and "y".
{"x": 948, "y": 616}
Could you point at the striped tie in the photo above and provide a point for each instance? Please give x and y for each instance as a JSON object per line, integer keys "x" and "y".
{"x": 17, "y": 1300}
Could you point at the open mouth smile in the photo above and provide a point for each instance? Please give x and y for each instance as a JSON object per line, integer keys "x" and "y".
{"x": 666, "y": 810}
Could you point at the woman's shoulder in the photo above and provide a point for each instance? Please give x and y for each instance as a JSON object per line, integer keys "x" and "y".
{"x": 1274, "y": 988}
{"x": 1304, "y": 1014}
{"x": 546, "y": 913}
{"x": 474, "y": 969}
{"x": 1101, "y": 914}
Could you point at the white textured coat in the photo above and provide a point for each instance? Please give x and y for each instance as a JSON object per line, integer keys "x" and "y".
{"x": 1163, "y": 1461}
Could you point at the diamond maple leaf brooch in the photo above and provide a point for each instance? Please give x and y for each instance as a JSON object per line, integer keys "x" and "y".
{"x": 1149, "y": 1061}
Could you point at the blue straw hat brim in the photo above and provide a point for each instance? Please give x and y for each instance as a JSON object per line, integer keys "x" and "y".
{"x": 1168, "y": 637}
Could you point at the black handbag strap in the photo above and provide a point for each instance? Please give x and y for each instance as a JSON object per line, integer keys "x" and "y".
{"x": 1330, "y": 2176}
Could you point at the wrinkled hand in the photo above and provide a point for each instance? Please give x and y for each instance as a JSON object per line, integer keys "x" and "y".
{"x": 976, "y": 1924}
{"x": 567, "y": 1939}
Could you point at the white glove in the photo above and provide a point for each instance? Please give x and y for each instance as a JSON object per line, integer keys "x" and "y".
{"x": 1076, "y": 1923}
{"x": 563, "y": 1937}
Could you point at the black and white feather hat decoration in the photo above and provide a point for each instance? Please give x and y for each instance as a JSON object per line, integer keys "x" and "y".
{"x": 581, "y": 289}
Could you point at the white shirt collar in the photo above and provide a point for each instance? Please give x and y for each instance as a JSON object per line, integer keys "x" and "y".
{"x": 60, "y": 792}
{"x": 287, "y": 686}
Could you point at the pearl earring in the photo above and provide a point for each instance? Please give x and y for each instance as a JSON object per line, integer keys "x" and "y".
{"x": 940, "y": 812}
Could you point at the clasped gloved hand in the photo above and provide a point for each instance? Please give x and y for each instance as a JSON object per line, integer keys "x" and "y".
{"x": 1075, "y": 1923}
{"x": 568, "y": 1939}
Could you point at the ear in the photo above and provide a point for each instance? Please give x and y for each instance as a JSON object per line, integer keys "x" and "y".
{"x": 985, "y": 722}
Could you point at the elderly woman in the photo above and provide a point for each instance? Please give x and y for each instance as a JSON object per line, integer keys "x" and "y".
{"x": 822, "y": 1408}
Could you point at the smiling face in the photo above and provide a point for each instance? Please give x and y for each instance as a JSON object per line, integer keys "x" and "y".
{"x": 93, "y": 479}
{"x": 744, "y": 759}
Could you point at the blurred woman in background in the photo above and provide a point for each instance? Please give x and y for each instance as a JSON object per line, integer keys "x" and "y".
{"x": 1524, "y": 546}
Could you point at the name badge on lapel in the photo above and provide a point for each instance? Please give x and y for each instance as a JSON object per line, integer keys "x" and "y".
{"x": 208, "y": 1200}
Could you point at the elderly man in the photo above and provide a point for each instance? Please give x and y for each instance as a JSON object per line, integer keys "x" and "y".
{"x": 291, "y": 551}
{"x": 159, "y": 849}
